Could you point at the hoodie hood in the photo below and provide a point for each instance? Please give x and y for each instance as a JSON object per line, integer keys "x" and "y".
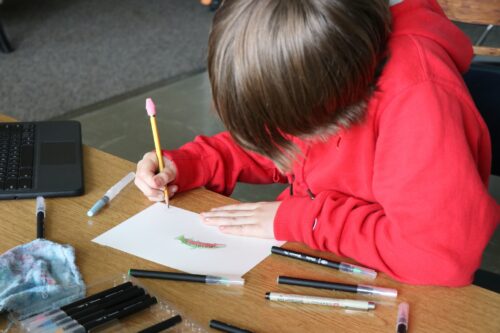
{"x": 426, "y": 18}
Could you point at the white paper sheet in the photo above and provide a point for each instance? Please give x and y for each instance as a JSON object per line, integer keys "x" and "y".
{"x": 154, "y": 233}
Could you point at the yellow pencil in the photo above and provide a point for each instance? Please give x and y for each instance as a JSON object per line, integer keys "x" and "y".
{"x": 151, "y": 110}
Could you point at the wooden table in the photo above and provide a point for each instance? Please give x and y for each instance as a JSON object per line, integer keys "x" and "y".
{"x": 433, "y": 309}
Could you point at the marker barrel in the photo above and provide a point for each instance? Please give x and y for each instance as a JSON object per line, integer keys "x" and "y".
{"x": 360, "y": 289}
{"x": 76, "y": 305}
{"x": 341, "y": 266}
{"x": 327, "y": 301}
{"x": 167, "y": 275}
{"x": 318, "y": 284}
{"x": 40, "y": 228}
{"x": 117, "y": 314}
{"x": 40, "y": 216}
{"x": 171, "y": 322}
{"x": 224, "y": 327}
{"x": 207, "y": 279}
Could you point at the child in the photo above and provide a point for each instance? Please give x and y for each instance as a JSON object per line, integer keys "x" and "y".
{"x": 360, "y": 106}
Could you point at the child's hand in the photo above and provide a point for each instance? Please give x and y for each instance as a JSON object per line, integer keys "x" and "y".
{"x": 152, "y": 183}
{"x": 246, "y": 219}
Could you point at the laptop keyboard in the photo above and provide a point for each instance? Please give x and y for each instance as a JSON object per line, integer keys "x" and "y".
{"x": 16, "y": 155}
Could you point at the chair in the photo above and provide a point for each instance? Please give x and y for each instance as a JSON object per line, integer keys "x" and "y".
{"x": 483, "y": 81}
{"x": 485, "y": 12}
{"x": 4, "y": 41}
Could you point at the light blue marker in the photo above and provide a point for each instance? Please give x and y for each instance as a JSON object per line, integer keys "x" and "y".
{"x": 111, "y": 193}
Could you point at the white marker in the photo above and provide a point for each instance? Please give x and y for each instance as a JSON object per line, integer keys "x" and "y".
{"x": 335, "y": 302}
{"x": 111, "y": 193}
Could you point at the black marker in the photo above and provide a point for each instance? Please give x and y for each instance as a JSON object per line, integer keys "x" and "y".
{"x": 69, "y": 323}
{"x": 341, "y": 266}
{"x": 219, "y": 325}
{"x": 92, "y": 307}
{"x": 166, "y": 324}
{"x": 83, "y": 302}
{"x": 105, "y": 315}
{"x": 351, "y": 288}
{"x": 102, "y": 311}
{"x": 208, "y": 279}
{"x": 75, "y": 306}
{"x": 124, "y": 312}
{"x": 40, "y": 216}
{"x": 108, "y": 302}
{"x": 78, "y": 322}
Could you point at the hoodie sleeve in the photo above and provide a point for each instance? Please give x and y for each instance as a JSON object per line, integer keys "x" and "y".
{"x": 218, "y": 163}
{"x": 432, "y": 217}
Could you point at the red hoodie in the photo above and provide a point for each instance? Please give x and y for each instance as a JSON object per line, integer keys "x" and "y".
{"x": 405, "y": 191}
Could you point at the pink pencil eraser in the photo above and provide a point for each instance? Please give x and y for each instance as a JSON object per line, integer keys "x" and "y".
{"x": 150, "y": 107}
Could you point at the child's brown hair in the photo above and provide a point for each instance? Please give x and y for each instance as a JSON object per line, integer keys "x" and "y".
{"x": 293, "y": 67}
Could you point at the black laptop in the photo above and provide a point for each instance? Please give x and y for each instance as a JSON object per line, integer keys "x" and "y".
{"x": 40, "y": 158}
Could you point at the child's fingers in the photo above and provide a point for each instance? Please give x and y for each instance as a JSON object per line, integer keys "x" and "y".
{"x": 172, "y": 189}
{"x": 146, "y": 170}
{"x": 228, "y": 213}
{"x": 158, "y": 198}
{"x": 148, "y": 191}
{"x": 163, "y": 178}
{"x": 248, "y": 230}
{"x": 241, "y": 206}
{"x": 229, "y": 220}
{"x": 154, "y": 194}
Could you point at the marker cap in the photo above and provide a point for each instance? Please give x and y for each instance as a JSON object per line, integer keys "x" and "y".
{"x": 225, "y": 280}
{"x": 355, "y": 269}
{"x": 97, "y": 206}
{"x": 118, "y": 187}
{"x": 378, "y": 291}
{"x": 403, "y": 313}
{"x": 40, "y": 205}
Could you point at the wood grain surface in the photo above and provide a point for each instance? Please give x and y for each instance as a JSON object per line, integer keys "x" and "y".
{"x": 483, "y": 12}
{"x": 472, "y": 11}
{"x": 432, "y": 309}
